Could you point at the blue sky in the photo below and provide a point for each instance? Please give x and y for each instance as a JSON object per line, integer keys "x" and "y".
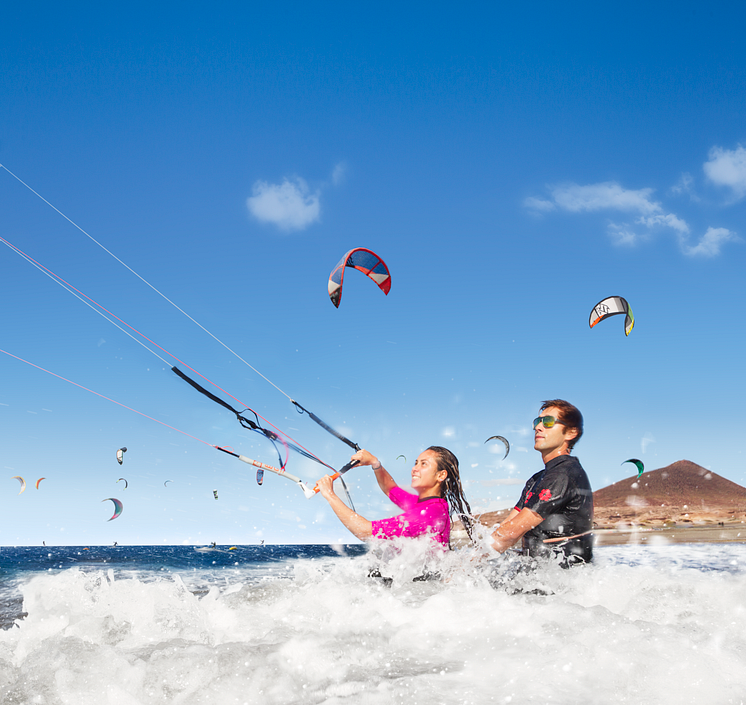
{"x": 512, "y": 166}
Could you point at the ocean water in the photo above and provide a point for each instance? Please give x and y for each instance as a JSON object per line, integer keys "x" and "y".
{"x": 306, "y": 624}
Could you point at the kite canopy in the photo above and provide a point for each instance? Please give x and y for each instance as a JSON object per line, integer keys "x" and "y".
{"x": 612, "y": 306}
{"x": 504, "y": 440}
{"x": 21, "y": 480}
{"x": 118, "y": 506}
{"x": 120, "y": 455}
{"x": 366, "y": 261}
{"x": 121, "y": 479}
{"x": 38, "y": 481}
{"x": 638, "y": 463}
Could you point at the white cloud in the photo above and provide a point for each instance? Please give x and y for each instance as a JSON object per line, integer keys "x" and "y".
{"x": 669, "y": 220}
{"x": 709, "y": 245}
{"x": 538, "y": 204}
{"x": 685, "y": 185}
{"x": 607, "y": 195}
{"x": 289, "y": 205}
{"x": 727, "y": 167}
{"x": 610, "y": 196}
{"x": 339, "y": 173}
{"x": 622, "y": 235}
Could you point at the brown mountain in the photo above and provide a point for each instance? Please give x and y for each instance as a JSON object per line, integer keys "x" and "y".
{"x": 682, "y": 492}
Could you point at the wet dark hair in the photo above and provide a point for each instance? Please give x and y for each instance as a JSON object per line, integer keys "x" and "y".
{"x": 569, "y": 415}
{"x": 450, "y": 488}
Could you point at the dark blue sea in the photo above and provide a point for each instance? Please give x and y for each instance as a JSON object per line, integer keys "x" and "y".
{"x": 147, "y": 625}
{"x": 199, "y": 566}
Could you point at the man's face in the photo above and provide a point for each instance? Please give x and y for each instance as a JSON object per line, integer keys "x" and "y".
{"x": 550, "y": 441}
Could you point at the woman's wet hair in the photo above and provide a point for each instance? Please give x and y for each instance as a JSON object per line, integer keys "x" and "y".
{"x": 450, "y": 488}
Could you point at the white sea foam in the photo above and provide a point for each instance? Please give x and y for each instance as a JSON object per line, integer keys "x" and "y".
{"x": 661, "y": 624}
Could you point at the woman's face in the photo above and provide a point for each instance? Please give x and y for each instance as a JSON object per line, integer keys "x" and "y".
{"x": 426, "y": 477}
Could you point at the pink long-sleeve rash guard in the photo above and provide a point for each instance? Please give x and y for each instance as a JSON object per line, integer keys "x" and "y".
{"x": 429, "y": 516}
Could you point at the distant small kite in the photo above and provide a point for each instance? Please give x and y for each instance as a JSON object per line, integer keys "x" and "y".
{"x": 612, "y": 306}
{"x": 259, "y": 476}
{"x": 120, "y": 455}
{"x": 118, "y": 506}
{"x": 638, "y": 463}
{"x": 365, "y": 261}
{"x": 21, "y": 480}
{"x": 121, "y": 479}
{"x": 402, "y": 456}
{"x": 38, "y": 481}
{"x": 504, "y": 440}
{"x": 215, "y": 494}
{"x": 166, "y": 482}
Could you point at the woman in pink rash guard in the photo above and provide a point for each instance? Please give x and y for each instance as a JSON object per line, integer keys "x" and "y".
{"x": 436, "y": 481}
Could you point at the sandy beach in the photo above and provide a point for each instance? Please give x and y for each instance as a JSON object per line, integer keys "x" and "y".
{"x": 616, "y": 527}
{"x": 709, "y": 533}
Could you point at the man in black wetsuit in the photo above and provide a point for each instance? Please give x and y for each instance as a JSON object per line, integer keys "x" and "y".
{"x": 554, "y": 515}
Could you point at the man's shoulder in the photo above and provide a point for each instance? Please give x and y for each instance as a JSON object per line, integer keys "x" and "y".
{"x": 564, "y": 463}
{"x": 568, "y": 465}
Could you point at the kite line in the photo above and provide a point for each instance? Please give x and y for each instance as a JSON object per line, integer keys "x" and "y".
{"x": 247, "y": 423}
{"x": 98, "y": 394}
{"x": 141, "y": 278}
{"x": 106, "y": 314}
{"x": 298, "y": 406}
{"x": 306, "y": 491}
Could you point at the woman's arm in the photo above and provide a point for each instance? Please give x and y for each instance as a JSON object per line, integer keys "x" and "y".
{"x": 385, "y": 481}
{"x": 358, "y": 525}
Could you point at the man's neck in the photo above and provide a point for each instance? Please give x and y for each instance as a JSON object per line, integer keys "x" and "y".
{"x": 564, "y": 450}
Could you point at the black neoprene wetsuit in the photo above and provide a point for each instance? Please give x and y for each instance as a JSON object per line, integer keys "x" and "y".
{"x": 561, "y": 494}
